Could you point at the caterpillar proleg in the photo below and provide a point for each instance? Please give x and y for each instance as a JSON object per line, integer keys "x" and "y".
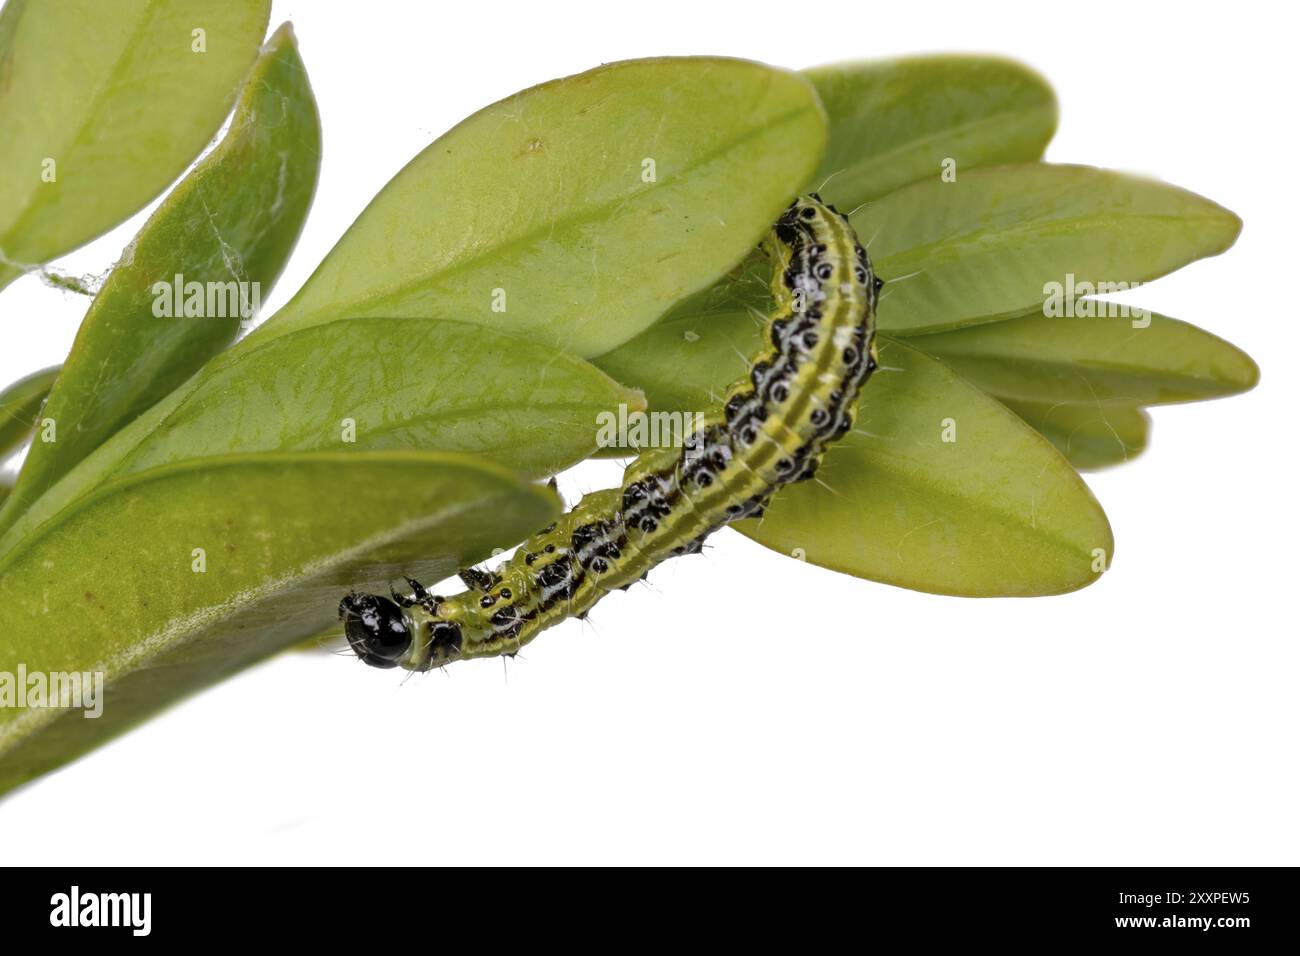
{"x": 773, "y": 428}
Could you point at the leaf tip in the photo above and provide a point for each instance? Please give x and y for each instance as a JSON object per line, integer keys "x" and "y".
{"x": 283, "y": 36}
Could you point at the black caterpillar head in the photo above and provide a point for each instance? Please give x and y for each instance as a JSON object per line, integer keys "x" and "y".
{"x": 376, "y": 628}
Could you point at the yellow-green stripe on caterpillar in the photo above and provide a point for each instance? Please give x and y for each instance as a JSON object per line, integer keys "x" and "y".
{"x": 800, "y": 395}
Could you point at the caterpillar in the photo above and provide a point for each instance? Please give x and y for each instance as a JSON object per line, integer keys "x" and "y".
{"x": 773, "y": 428}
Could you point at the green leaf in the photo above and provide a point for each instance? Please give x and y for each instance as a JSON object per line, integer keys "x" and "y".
{"x": 401, "y": 383}
{"x": 1079, "y": 381}
{"x": 893, "y": 122}
{"x": 995, "y": 512}
{"x": 1138, "y": 359}
{"x": 533, "y": 215}
{"x": 20, "y": 403}
{"x": 687, "y": 361}
{"x": 233, "y": 220}
{"x": 116, "y": 97}
{"x": 1090, "y": 434}
{"x": 988, "y": 245}
{"x": 111, "y": 586}
{"x": 447, "y": 386}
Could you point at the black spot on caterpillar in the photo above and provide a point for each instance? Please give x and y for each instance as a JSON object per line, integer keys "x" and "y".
{"x": 772, "y": 430}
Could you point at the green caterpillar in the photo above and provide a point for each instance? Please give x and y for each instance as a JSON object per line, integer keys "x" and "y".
{"x": 800, "y": 395}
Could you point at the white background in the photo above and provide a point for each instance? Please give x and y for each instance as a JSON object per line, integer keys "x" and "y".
{"x": 747, "y": 708}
